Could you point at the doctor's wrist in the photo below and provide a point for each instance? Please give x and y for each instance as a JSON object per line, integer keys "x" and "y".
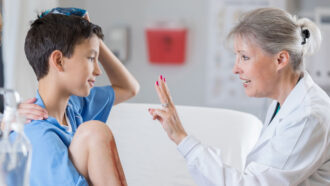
{"x": 177, "y": 140}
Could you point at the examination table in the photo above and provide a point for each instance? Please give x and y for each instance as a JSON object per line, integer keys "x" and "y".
{"x": 150, "y": 158}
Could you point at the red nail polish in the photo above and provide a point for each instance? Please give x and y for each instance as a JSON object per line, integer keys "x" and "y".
{"x": 157, "y": 83}
{"x": 161, "y": 77}
{"x": 164, "y": 80}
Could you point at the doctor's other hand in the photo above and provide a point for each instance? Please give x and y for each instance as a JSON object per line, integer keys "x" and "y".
{"x": 168, "y": 116}
{"x": 32, "y": 111}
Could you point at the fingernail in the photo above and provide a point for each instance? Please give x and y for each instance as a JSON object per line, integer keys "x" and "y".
{"x": 164, "y": 80}
{"x": 161, "y": 77}
{"x": 157, "y": 83}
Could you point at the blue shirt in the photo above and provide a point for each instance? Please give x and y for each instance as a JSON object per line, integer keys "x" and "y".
{"x": 51, "y": 164}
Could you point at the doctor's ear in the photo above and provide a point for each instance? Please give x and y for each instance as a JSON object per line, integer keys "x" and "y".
{"x": 282, "y": 59}
{"x": 56, "y": 60}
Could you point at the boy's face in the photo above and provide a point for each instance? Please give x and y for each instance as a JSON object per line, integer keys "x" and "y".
{"x": 81, "y": 69}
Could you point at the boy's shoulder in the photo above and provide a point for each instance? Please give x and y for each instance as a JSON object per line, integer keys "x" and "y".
{"x": 38, "y": 126}
{"x": 96, "y": 106}
{"x": 102, "y": 94}
{"x": 44, "y": 131}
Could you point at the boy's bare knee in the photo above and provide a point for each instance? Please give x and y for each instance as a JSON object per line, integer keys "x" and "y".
{"x": 89, "y": 135}
{"x": 94, "y": 132}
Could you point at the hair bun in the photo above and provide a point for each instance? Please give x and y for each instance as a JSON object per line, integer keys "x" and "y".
{"x": 311, "y": 36}
{"x": 305, "y": 35}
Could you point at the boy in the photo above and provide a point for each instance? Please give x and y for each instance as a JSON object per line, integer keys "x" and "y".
{"x": 73, "y": 146}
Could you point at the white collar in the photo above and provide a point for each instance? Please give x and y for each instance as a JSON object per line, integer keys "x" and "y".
{"x": 295, "y": 98}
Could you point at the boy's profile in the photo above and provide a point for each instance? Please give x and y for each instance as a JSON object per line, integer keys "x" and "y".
{"x": 73, "y": 146}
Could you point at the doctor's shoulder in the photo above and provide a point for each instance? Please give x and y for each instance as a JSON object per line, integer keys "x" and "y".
{"x": 309, "y": 115}
{"x": 317, "y": 105}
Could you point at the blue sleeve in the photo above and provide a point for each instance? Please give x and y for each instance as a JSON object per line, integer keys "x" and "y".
{"x": 97, "y": 105}
{"x": 50, "y": 163}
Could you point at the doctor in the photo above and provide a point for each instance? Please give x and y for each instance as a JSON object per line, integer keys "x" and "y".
{"x": 293, "y": 147}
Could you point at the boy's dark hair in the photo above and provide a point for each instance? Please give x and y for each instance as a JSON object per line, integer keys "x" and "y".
{"x": 55, "y": 32}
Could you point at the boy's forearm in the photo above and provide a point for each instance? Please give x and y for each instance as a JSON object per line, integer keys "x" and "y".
{"x": 119, "y": 76}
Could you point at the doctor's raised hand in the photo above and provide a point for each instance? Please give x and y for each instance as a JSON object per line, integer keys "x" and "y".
{"x": 168, "y": 115}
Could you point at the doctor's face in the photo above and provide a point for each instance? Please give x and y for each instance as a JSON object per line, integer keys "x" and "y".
{"x": 255, "y": 68}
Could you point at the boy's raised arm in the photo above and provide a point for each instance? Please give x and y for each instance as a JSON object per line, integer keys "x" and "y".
{"x": 123, "y": 82}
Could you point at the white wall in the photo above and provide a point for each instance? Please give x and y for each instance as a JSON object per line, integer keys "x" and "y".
{"x": 17, "y": 17}
{"x": 186, "y": 81}
{"x": 308, "y": 5}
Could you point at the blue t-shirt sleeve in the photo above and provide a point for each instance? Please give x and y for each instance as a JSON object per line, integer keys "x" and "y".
{"x": 97, "y": 105}
{"x": 50, "y": 159}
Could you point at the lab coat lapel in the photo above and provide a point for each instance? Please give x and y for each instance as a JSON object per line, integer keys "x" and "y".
{"x": 267, "y": 121}
{"x": 294, "y": 100}
{"x": 270, "y": 113}
{"x": 296, "y": 96}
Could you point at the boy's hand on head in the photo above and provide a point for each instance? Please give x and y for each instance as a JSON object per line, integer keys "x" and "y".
{"x": 32, "y": 111}
{"x": 86, "y": 16}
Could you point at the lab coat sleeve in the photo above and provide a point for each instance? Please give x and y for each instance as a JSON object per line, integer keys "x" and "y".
{"x": 50, "y": 161}
{"x": 294, "y": 153}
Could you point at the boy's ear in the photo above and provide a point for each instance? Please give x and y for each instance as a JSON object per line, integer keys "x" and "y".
{"x": 282, "y": 59}
{"x": 56, "y": 60}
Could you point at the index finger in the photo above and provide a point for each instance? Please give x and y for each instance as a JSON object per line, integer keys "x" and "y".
{"x": 31, "y": 106}
{"x": 31, "y": 100}
{"x": 165, "y": 91}
{"x": 160, "y": 93}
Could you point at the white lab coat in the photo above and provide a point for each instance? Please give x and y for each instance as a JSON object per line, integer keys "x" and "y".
{"x": 293, "y": 149}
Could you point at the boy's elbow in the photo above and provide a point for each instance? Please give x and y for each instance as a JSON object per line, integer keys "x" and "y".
{"x": 124, "y": 94}
{"x": 135, "y": 90}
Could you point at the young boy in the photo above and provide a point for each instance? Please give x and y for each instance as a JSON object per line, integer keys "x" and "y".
{"x": 73, "y": 146}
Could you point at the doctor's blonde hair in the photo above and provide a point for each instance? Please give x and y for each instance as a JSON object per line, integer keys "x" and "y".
{"x": 275, "y": 30}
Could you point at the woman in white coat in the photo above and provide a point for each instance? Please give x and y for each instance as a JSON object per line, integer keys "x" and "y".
{"x": 293, "y": 147}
